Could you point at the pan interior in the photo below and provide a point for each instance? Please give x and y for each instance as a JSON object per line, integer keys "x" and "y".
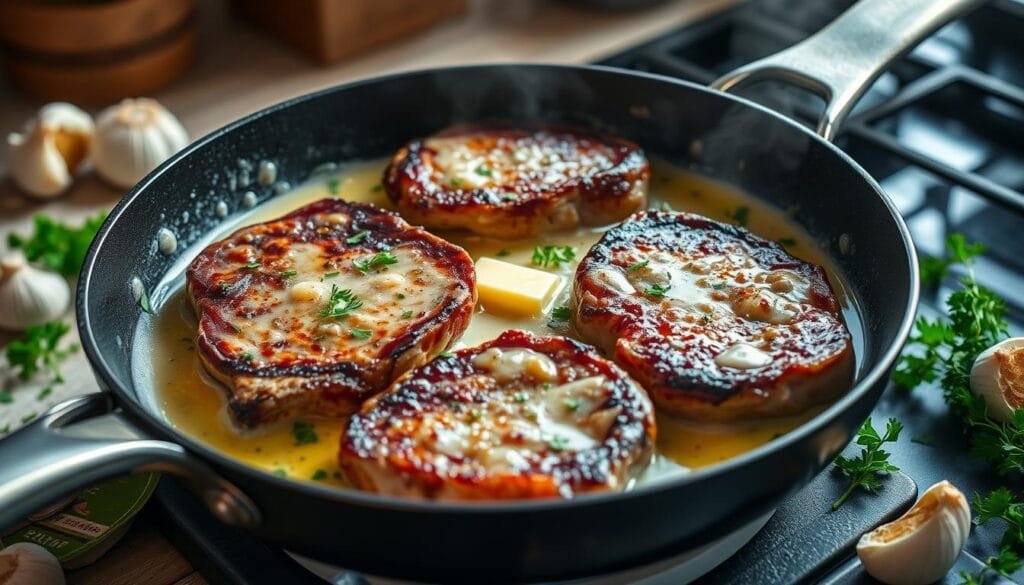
{"x": 177, "y": 389}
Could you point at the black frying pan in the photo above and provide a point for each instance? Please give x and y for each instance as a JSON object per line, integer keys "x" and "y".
{"x": 118, "y": 431}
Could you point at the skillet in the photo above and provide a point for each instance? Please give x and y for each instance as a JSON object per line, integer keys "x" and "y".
{"x": 732, "y": 140}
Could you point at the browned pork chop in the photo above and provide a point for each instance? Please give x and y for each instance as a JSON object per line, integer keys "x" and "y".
{"x": 513, "y": 182}
{"x": 519, "y": 417}
{"x": 716, "y": 323}
{"x": 312, "y": 313}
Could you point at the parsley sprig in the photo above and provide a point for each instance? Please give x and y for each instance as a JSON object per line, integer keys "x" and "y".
{"x": 58, "y": 246}
{"x": 552, "y": 256}
{"x": 864, "y": 471}
{"x": 341, "y": 303}
{"x": 38, "y": 349}
{"x": 1005, "y": 563}
{"x": 378, "y": 260}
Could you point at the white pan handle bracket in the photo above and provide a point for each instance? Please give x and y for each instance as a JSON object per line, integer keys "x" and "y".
{"x": 841, "y": 61}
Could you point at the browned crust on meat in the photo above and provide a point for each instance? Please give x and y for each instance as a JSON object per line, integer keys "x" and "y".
{"x": 307, "y": 379}
{"x": 383, "y": 439}
{"x": 522, "y": 203}
{"x": 672, "y": 352}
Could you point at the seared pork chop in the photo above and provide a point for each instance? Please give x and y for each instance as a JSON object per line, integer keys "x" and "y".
{"x": 519, "y": 417}
{"x": 312, "y": 313}
{"x": 716, "y": 323}
{"x": 512, "y": 182}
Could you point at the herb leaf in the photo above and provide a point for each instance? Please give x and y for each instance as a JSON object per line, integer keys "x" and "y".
{"x": 357, "y": 238}
{"x": 304, "y": 433}
{"x": 37, "y": 349}
{"x": 341, "y": 303}
{"x": 638, "y": 265}
{"x": 360, "y": 333}
{"x": 863, "y": 471}
{"x": 376, "y": 261}
{"x": 741, "y": 215}
{"x": 657, "y": 290}
{"x": 57, "y": 245}
{"x": 552, "y": 256}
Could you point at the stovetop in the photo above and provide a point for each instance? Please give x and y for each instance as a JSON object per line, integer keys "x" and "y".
{"x": 943, "y": 133}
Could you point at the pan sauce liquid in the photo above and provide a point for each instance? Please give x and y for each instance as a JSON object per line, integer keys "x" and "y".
{"x": 193, "y": 402}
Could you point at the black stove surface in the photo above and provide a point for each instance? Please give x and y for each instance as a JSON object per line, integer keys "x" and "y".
{"x": 943, "y": 133}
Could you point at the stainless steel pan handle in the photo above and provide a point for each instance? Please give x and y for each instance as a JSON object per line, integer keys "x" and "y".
{"x": 842, "y": 60}
{"x": 84, "y": 440}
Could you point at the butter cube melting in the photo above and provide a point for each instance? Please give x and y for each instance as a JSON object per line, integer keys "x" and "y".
{"x": 514, "y": 290}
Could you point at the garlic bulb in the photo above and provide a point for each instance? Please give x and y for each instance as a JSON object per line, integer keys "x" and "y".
{"x": 998, "y": 376}
{"x": 922, "y": 545}
{"x": 28, "y": 295}
{"x": 43, "y": 158}
{"x": 25, "y": 563}
{"x": 133, "y": 138}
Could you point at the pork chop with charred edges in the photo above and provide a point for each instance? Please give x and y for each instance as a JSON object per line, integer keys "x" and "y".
{"x": 313, "y": 313}
{"x": 510, "y": 182}
{"x": 716, "y": 323}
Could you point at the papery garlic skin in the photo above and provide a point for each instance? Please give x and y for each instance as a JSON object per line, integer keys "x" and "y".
{"x": 133, "y": 138}
{"x": 998, "y": 377}
{"x": 28, "y": 295}
{"x": 25, "y": 563}
{"x": 43, "y": 158}
{"x": 922, "y": 545}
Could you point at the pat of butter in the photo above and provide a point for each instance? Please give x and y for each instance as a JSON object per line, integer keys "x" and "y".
{"x": 509, "y": 288}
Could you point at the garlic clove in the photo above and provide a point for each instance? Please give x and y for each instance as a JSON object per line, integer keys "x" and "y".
{"x": 25, "y": 563}
{"x": 922, "y": 545}
{"x": 133, "y": 138}
{"x": 28, "y": 295}
{"x": 44, "y": 157}
{"x": 998, "y": 377}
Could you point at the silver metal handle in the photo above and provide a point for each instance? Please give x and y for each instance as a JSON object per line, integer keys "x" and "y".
{"x": 842, "y": 60}
{"x": 85, "y": 440}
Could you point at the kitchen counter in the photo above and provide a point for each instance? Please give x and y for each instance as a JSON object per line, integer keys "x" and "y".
{"x": 239, "y": 71}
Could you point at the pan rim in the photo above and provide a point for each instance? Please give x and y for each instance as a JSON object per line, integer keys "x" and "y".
{"x": 166, "y": 431}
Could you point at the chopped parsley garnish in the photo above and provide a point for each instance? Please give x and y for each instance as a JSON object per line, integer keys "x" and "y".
{"x": 377, "y": 188}
{"x": 788, "y": 242}
{"x": 638, "y": 265}
{"x": 445, "y": 354}
{"x": 5, "y": 396}
{"x": 334, "y": 186}
{"x": 400, "y": 296}
{"x": 280, "y": 472}
{"x": 44, "y": 393}
{"x": 148, "y": 307}
{"x": 510, "y": 197}
{"x": 360, "y": 333}
{"x": 28, "y": 418}
{"x": 657, "y": 290}
{"x": 288, "y": 273}
{"x": 863, "y": 471}
{"x": 358, "y": 237}
{"x": 37, "y": 349}
{"x": 552, "y": 256}
{"x": 376, "y": 261}
{"x": 249, "y": 357}
{"x": 520, "y": 397}
{"x": 502, "y": 253}
{"x": 407, "y": 315}
{"x": 483, "y": 171}
{"x": 319, "y": 475}
{"x": 252, "y": 266}
{"x": 474, "y": 415}
{"x": 304, "y": 433}
{"x": 559, "y": 315}
{"x": 341, "y": 303}
{"x": 56, "y": 245}
{"x": 740, "y": 216}
{"x": 572, "y": 404}
{"x": 718, "y": 286}
{"x": 558, "y": 443}
{"x": 456, "y": 182}
{"x": 331, "y": 274}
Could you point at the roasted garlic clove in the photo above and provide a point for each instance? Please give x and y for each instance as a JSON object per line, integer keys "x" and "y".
{"x": 43, "y": 158}
{"x": 921, "y": 545}
{"x": 998, "y": 377}
{"x": 133, "y": 138}
{"x": 24, "y": 563}
{"x": 28, "y": 295}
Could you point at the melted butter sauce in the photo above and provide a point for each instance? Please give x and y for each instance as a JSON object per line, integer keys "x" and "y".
{"x": 190, "y": 400}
